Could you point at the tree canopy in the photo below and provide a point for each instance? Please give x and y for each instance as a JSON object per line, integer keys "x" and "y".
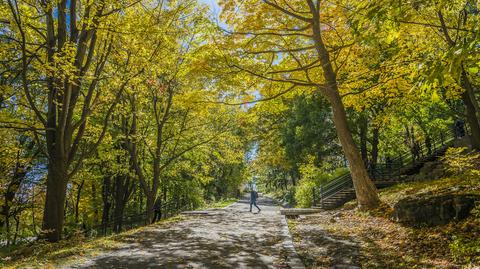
{"x": 112, "y": 110}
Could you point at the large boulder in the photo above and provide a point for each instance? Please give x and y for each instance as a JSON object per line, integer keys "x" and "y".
{"x": 433, "y": 210}
{"x": 429, "y": 171}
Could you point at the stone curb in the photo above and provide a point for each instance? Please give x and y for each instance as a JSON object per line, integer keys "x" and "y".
{"x": 293, "y": 261}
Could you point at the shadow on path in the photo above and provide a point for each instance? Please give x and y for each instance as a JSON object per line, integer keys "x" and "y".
{"x": 227, "y": 238}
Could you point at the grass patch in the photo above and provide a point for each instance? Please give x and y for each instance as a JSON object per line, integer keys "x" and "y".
{"x": 41, "y": 254}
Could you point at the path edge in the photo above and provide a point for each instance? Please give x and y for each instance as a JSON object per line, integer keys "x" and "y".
{"x": 293, "y": 260}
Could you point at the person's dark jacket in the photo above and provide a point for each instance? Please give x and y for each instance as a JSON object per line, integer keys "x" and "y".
{"x": 253, "y": 196}
{"x": 158, "y": 205}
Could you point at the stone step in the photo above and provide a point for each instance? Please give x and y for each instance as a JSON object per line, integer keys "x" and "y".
{"x": 335, "y": 202}
{"x": 299, "y": 211}
{"x": 336, "y": 198}
{"x": 346, "y": 191}
{"x": 342, "y": 196}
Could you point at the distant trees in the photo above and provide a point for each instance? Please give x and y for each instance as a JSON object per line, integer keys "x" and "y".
{"x": 18, "y": 155}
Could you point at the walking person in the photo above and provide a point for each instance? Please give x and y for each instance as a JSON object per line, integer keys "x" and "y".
{"x": 459, "y": 128}
{"x": 157, "y": 207}
{"x": 253, "y": 200}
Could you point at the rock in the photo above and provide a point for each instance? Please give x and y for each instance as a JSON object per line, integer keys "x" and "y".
{"x": 437, "y": 173}
{"x": 434, "y": 210}
{"x": 429, "y": 171}
{"x": 337, "y": 215}
{"x": 428, "y": 167}
{"x": 345, "y": 266}
{"x": 462, "y": 142}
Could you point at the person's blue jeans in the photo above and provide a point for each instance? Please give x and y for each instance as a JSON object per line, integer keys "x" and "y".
{"x": 255, "y": 204}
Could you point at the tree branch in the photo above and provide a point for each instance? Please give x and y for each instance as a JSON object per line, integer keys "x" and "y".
{"x": 287, "y": 12}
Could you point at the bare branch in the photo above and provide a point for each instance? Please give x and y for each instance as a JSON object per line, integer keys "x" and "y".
{"x": 287, "y": 12}
{"x": 281, "y": 50}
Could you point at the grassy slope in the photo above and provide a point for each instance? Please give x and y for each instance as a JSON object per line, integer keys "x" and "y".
{"x": 373, "y": 240}
{"x": 445, "y": 185}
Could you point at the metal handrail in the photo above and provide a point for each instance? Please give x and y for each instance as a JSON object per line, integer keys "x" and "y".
{"x": 168, "y": 209}
{"x": 392, "y": 169}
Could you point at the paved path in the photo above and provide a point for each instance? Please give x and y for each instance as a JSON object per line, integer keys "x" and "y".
{"x": 225, "y": 238}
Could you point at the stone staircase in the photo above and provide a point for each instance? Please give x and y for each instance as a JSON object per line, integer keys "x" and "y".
{"x": 338, "y": 199}
{"x": 337, "y": 192}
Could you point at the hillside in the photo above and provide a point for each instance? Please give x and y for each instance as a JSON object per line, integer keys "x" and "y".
{"x": 347, "y": 236}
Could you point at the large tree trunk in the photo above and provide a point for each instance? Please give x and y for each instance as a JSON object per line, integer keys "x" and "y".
{"x": 472, "y": 121}
{"x": 471, "y": 107}
{"x": 365, "y": 190}
{"x": 123, "y": 191}
{"x": 53, "y": 216}
{"x": 149, "y": 207}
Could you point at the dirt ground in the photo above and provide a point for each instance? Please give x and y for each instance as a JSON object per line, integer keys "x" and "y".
{"x": 347, "y": 238}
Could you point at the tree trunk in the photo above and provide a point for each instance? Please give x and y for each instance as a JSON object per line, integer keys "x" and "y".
{"x": 34, "y": 227}
{"x": 365, "y": 190}
{"x": 17, "y": 226}
{"x": 123, "y": 191}
{"x": 53, "y": 217}
{"x": 472, "y": 121}
{"x": 470, "y": 105}
{"x": 363, "y": 138}
{"x": 149, "y": 207}
{"x": 94, "y": 203}
{"x": 7, "y": 227}
{"x": 106, "y": 203}
{"x": 118, "y": 216}
{"x": 77, "y": 201}
{"x": 294, "y": 179}
{"x": 374, "y": 153}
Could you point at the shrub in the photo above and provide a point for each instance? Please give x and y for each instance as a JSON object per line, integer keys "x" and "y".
{"x": 465, "y": 250}
{"x": 462, "y": 163}
{"x": 311, "y": 177}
